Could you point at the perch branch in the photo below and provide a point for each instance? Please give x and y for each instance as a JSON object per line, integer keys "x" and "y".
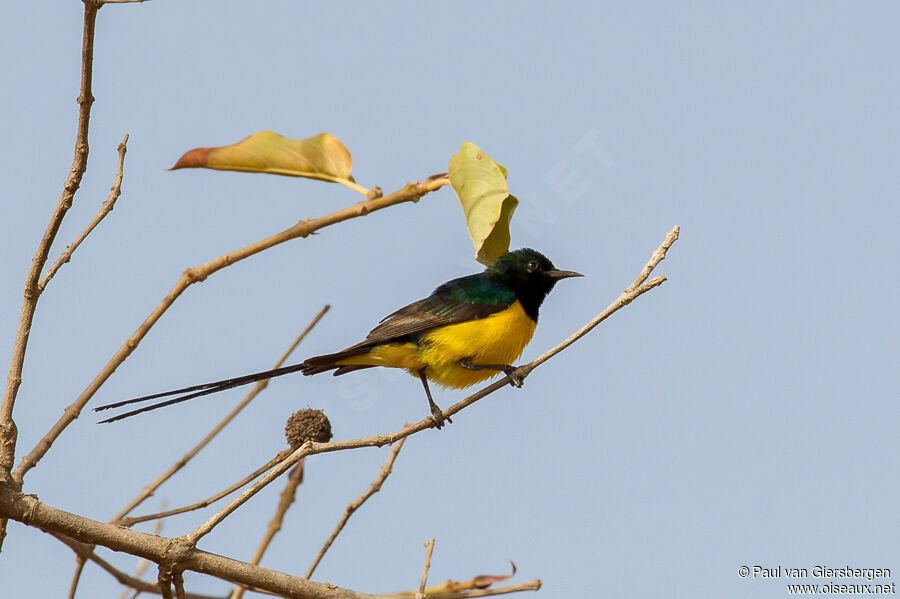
{"x": 310, "y": 448}
{"x": 257, "y": 389}
{"x": 356, "y": 504}
{"x": 412, "y": 192}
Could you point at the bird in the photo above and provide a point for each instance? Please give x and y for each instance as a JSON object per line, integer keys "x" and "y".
{"x": 468, "y": 330}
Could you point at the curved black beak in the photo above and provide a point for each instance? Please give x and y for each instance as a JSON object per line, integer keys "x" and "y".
{"x": 562, "y": 274}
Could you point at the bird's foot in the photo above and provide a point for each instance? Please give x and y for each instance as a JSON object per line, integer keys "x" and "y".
{"x": 516, "y": 380}
{"x": 438, "y": 418}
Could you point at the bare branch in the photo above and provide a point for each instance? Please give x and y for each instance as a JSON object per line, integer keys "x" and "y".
{"x": 31, "y": 511}
{"x": 8, "y": 432}
{"x": 128, "y": 522}
{"x": 114, "y": 192}
{"x": 635, "y": 290}
{"x": 356, "y": 504}
{"x": 295, "y": 478}
{"x": 257, "y": 389}
{"x": 310, "y": 448}
{"x": 86, "y": 551}
{"x": 412, "y": 192}
{"x": 429, "y": 545}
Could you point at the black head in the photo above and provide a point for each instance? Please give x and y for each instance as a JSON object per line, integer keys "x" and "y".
{"x": 530, "y": 274}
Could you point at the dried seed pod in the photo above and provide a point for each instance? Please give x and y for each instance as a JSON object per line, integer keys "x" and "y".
{"x": 307, "y": 425}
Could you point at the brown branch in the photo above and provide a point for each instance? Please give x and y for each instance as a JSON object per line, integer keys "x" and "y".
{"x": 8, "y": 432}
{"x": 310, "y": 448}
{"x": 128, "y": 522}
{"x": 429, "y": 546}
{"x": 635, "y": 290}
{"x": 356, "y": 504}
{"x": 257, "y": 389}
{"x": 86, "y": 552}
{"x": 114, "y": 192}
{"x": 31, "y": 511}
{"x": 412, "y": 192}
{"x": 284, "y": 503}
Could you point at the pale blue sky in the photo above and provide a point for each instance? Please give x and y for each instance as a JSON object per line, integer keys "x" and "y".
{"x": 745, "y": 413}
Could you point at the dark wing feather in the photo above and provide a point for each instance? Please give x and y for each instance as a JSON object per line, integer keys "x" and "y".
{"x": 459, "y": 300}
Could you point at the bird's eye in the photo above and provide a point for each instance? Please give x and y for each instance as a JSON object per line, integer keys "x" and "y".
{"x": 533, "y": 265}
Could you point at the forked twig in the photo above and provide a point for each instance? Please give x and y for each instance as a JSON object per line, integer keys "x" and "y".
{"x": 114, "y": 192}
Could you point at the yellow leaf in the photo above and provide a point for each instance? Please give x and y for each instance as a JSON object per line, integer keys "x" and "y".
{"x": 321, "y": 157}
{"x": 480, "y": 185}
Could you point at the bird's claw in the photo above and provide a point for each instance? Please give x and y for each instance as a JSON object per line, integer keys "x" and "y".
{"x": 516, "y": 380}
{"x": 438, "y": 418}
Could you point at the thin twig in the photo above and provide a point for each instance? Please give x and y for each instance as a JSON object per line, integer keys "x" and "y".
{"x": 257, "y": 389}
{"x": 356, "y": 504}
{"x": 310, "y": 448}
{"x": 128, "y": 522}
{"x": 295, "y": 478}
{"x": 114, "y": 192}
{"x": 412, "y": 192}
{"x": 635, "y": 290}
{"x": 429, "y": 545}
{"x": 80, "y": 561}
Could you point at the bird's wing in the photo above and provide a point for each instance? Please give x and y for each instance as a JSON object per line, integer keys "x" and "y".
{"x": 460, "y": 300}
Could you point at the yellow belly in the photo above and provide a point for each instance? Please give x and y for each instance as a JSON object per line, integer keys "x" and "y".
{"x": 495, "y": 339}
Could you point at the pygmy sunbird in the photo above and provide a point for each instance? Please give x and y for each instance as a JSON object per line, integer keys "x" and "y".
{"x": 470, "y": 329}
